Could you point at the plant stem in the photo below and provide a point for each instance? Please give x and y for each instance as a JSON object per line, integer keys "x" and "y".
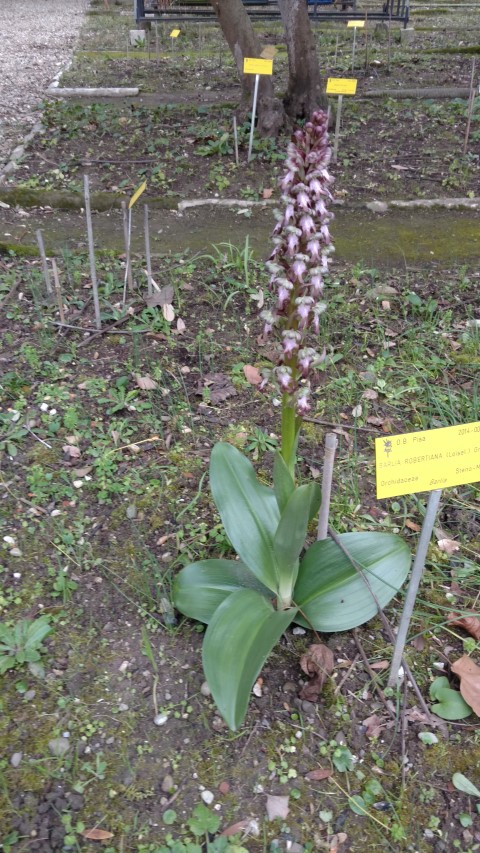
{"x": 290, "y": 429}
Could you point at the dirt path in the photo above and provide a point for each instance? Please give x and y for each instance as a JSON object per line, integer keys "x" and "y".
{"x": 38, "y": 37}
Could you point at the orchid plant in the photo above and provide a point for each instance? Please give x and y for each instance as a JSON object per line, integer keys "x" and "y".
{"x": 249, "y": 602}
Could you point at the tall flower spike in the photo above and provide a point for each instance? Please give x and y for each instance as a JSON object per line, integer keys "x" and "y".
{"x": 299, "y": 261}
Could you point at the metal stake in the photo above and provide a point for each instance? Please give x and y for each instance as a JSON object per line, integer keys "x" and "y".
{"x": 46, "y": 274}
{"x": 331, "y": 443}
{"x": 254, "y": 110}
{"x": 147, "y": 250}
{"x": 417, "y": 572}
{"x": 235, "y": 138}
{"x": 337, "y": 128}
{"x": 91, "y": 252}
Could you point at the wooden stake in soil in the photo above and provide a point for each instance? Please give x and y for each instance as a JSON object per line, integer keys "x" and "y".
{"x": 147, "y": 250}
{"x": 366, "y": 42}
{"x": 91, "y": 252}
{"x": 58, "y": 291}
{"x": 417, "y": 572}
{"x": 331, "y": 443}
{"x": 471, "y": 101}
{"x": 46, "y": 274}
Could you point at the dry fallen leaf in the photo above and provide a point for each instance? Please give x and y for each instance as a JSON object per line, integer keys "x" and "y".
{"x": 470, "y": 624}
{"x": 249, "y": 826}
{"x": 267, "y": 193}
{"x": 448, "y": 545}
{"x": 277, "y": 807}
{"x": 318, "y": 774}
{"x": 71, "y": 451}
{"x": 412, "y": 525}
{"x": 380, "y": 664}
{"x": 163, "y": 297}
{"x": 469, "y": 675}
{"x": 97, "y": 834}
{"x": 336, "y": 841}
{"x": 168, "y": 313}
{"x": 370, "y": 394}
{"x": 146, "y": 383}
{"x": 373, "y": 725}
{"x": 180, "y": 326}
{"x": 218, "y": 386}
{"x": 252, "y": 374}
{"x": 317, "y": 663}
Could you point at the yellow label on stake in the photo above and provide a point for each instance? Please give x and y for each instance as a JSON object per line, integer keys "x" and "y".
{"x": 355, "y": 24}
{"x": 174, "y": 34}
{"x": 341, "y": 86}
{"x": 141, "y": 189}
{"x": 269, "y": 52}
{"x": 423, "y": 461}
{"x": 257, "y": 66}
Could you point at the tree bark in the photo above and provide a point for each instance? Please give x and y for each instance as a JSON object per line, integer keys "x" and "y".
{"x": 305, "y": 92}
{"x": 243, "y": 42}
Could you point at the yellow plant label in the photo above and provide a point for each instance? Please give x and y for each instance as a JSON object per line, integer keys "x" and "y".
{"x": 174, "y": 34}
{"x": 138, "y": 192}
{"x": 356, "y": 24}
{"x": 257, "y": 66}
{"x": 423, "y": 461}
{"x": 341, "y": 86}
{"x": 269, "y": 52}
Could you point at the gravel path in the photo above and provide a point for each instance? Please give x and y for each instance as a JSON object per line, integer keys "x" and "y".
{"x": 37, "y": 39}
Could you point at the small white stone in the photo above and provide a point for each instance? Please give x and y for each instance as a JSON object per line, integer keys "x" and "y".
{"x": 15, "y": 552}
{"x": 207, "y": 797}
{"x": 160, "y": 719}
{"x": 78, "y": 484}
{"x": 299, "y": 632}
{"x": 9, "y": 540}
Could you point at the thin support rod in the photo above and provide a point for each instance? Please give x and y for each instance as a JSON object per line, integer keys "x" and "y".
{"x": 148, "y": 255}
{"x": 337, "y": 128}
{"x": 254, "y": 111}
{"x": 331, "y": 443}
{"x": 417, "y": 572}
{"x": 91, "y": 252}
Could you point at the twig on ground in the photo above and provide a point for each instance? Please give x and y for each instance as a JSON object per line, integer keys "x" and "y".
{"x": 346, "y": 676}
{"x": 339, "y": 426}
{"x": 372, "y": 675}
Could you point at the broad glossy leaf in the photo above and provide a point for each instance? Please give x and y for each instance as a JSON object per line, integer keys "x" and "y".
{"x": 238, "y": 640}
{"x": 290, "y": 535}
{"x": 283, "y": 482}
{"x": 249, "y": 511}
{"x": 333, "y": 595}
{"x": 200, "y": 588}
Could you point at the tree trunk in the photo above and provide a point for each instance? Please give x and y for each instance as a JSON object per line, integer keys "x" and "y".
{"x": 242, "y": 41}
{"x": 305, "y": 92}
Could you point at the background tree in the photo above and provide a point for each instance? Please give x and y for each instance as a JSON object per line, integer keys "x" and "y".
{"x": 305, "y": 92}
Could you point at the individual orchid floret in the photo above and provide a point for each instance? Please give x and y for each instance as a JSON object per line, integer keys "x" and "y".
{"x": 290, "y": 342}
{"x": 299, "y": 267}
{"x": 302, "y": 401}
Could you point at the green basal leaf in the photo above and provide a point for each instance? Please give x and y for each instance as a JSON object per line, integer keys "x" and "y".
{"x": 450, "y": 705}
{"x": 463, "y": 784}
{"x": 249, "y": 511}
{"x": 333, "y": 596}
{"x": 238, "y": 640}
{"x": 291, "y": 532}
{"x": 283, "y": 482}
{"x": 200, "y": 588}
{"x": 437, "y": 685}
